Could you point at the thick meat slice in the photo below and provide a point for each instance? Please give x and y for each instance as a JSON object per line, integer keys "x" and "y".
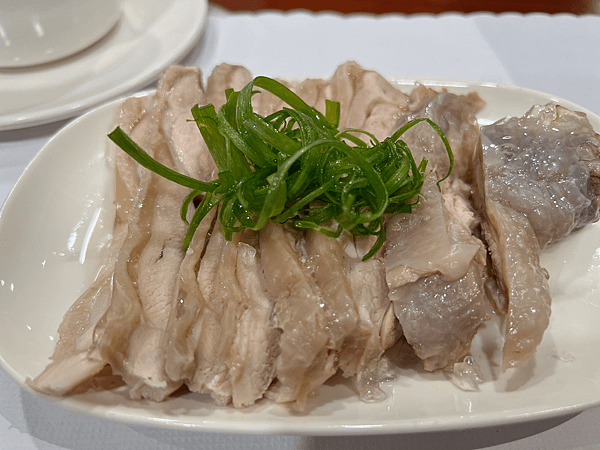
{"x": 373, "y": 90}
{"x": 304, "y": 362}
{"x": 376, "y": 106}
{"x": 265, "y": 103}
{"x": 515, "y": 256}
{"x": 158, "y": 266}
{"x": 96, "y": 328}
{"x": 539, "y": 165}
{"x": 430, "y": 240}
{"x": 343, "y": 88}
{"x": 435, "y": 272}
{"x": 360, "y": 91}
{"x": 182, "y": 339}
{"x": 223, "y": 77}
{"x": 179, "y": 89}
{"x": 256, "y": 345}
{"x": 326, "y": 260}
{"x": 378, "y": 326}
{"x": 314, "y": 91}
{"x": 456, "y": 117}
{"x": 221, "y": 295}
{"x": 440, "y": 318}
{"x": 535, "y": 183}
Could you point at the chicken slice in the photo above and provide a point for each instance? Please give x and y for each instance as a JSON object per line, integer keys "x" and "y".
{"x": 535, "y": 183}
{"x": 435, "y": 272}
{"x": 515, "y": 256}
{"x": 359, "y": 91}
{"x": 98, "y": 324}
{"x": 539, "y": 165}
{"x": 223, "y": 77}
{"x": 304, "y": 362}
{"x": 314, "y": 92}
{"x": 456, "y": 117}
{"x": 430, "y": 240}
{"x": 179, "y": 89}
{"x": 158, "y": 264}
{"x": 377, "y": 321}
{"x": 182, "y": 339}
{"x": 256, "y": 345}
{"x": 327, "y": 262}
{"x": 214, "y": 338}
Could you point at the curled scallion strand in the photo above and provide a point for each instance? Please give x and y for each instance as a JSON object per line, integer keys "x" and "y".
{"x": 295, "y": 166}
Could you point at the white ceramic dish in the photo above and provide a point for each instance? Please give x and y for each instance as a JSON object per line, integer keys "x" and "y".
{"x": 47, "y": 260}
{"x": 150, "y": 36}
{"x": 40, "y": 31}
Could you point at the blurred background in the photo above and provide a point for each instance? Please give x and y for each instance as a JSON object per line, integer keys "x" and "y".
{"x": 421, "y": 6}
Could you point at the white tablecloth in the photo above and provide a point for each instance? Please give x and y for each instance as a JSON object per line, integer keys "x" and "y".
{"x": 555, "y": 54}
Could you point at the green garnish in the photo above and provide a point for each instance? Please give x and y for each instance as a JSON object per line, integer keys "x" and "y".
{"x": 295, "y": 165}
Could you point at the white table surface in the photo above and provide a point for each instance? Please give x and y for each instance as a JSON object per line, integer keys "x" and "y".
{"x": 554, "y": 54}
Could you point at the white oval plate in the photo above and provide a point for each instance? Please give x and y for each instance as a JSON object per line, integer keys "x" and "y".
{"x": 150, "y": 36}
{"x": 48, "y": 258}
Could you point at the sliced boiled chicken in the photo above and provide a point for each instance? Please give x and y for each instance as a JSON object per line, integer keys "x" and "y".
{"x": 255, "y": 348}
{"x": 276, "y": 312}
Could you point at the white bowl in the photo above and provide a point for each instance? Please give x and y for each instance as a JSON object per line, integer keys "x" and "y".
{"x": 40, "y": 31}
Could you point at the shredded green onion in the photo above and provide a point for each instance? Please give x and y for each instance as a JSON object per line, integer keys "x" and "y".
{"x": 296, "y": 166}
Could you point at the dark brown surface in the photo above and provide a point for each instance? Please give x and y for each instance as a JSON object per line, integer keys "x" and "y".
{"x": 420, "y": 6}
